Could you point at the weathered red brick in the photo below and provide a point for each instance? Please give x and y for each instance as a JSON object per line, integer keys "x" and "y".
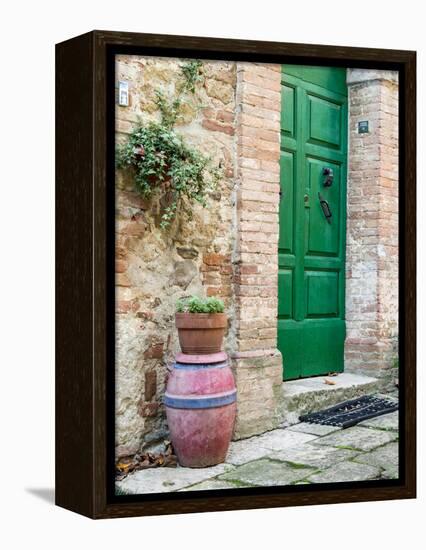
{"x": 218, "y": 291}
{"x": 120, "y": 253}
{"x": 155, "y": 351}
{"x": 134, "y": 229}
{"x": 148, "y": 409}
{"x": 150, "y": 385}
{"x": 125, "y": 306}
{"x": 215, "y": 259}
{"x": 248, "y": 269}
{"x": 146, "y": 315}
{"x": 121, "y": 279}
{"x": 225, "y": 116}
{"x": 121, "y": 265}
{"x": 215, "y": 126}
{"x": 209, "y": 112}
{"x": 226, "y": 269}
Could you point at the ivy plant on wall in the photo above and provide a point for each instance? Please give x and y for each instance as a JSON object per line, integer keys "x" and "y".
{"x": 162, "y": 161}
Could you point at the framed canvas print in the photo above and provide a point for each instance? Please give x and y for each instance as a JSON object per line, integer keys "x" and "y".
{"x": 235, "y": 276}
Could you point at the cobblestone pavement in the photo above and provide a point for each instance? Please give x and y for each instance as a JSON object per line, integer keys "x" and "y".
{"x": 300, "y": 454}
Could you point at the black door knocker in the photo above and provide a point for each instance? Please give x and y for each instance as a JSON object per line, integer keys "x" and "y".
{"x": 329, "y": 176}
{"x": 325, "y": 208}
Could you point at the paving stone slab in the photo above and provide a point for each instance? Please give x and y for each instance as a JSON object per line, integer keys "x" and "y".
{"x": 265, "y": 472}
{"x": 165, "y": 480}
{"x": 346, "y": 471}
{"x": 246, "y": 450}
{"x": 315, "y": 457}
{"x": 314, "y": 429}
{"x": 385, "y": 422}
{"x": 390, "y": 473}
{"x": 278, "y": 440}
{"x": 363, "y": 439}
{"x": 213, "y": 484}
{"x": 385, "y": 457}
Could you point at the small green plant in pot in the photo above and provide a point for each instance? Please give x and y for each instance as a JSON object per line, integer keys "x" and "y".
{"x": 201, "y": 324}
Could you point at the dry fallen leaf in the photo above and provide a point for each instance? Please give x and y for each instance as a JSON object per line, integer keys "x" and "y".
{"x": 329, "y": 382}
{"x": 123, "y": 466}
{"x": 144, "y": 464}
{"x": 170, "y": 461}
{"x": 129, "y": 464}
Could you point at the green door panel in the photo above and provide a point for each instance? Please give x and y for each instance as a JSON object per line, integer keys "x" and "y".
{"x": 286, "y": 213}
{"x": 329, "y": 78}
{"x": 311, "y": 251}
{"x": 287, "y": 100}
{"x": 285, "y": 282}
{"x": 326, "y": 339}
{"x": 324, "y": 118}
{"x": 322, "y": 289}
{"x": 322, "y": 238}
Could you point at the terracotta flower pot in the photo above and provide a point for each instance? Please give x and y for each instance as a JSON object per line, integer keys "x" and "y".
{"x": 201, "y": 333}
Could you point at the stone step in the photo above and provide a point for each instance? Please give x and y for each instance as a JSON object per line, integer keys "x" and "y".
{"x": 313, "y": 394}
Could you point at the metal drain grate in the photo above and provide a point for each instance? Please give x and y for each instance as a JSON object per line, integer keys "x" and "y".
{"x": 351, "y": 412}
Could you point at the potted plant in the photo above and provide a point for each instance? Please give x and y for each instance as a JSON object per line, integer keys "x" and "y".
{"x": 201, "y": 397}
{"x": 201, "y": 325}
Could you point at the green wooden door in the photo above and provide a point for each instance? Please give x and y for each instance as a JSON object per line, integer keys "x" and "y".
{"x": 311, "y": 276}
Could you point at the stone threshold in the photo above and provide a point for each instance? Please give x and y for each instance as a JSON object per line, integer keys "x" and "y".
{"x": 313, "y": 394}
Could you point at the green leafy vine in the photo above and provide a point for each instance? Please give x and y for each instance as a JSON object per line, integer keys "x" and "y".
{"x": 161, "y": 159}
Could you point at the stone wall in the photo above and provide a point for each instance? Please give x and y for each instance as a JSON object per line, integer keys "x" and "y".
{"x": 228, "y": 250}
{"x": 154, "y": 267}
{"x": 372, "y": 225}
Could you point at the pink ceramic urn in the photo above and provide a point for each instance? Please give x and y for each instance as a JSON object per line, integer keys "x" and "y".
{"x": 200, "y": 405}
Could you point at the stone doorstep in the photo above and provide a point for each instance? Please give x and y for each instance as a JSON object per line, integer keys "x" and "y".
{"x": 313, "y": 394}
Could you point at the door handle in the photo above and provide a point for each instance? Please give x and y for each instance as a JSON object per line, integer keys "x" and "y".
{"x": 325, "y": 208}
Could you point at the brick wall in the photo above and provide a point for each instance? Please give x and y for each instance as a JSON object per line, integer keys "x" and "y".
{"x": 256, "y": 360}
{"x": 372, "y": 226}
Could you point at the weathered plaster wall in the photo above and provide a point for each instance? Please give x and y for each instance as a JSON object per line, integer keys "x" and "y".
{"x": 154, "y": 267}
{"x": 372, "y": 226}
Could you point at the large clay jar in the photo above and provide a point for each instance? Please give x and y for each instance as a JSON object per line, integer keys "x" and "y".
{"x": 200, "y": 405}
{"x": 201, "y": 333}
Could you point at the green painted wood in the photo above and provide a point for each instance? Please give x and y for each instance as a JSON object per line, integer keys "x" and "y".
{"x": 330, "y": 78}
{"x": 311, "y": 255}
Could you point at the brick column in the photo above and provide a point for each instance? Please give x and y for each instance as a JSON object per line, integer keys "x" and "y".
{"x": 256, "y": 361}
{"x": 372, "y": 227}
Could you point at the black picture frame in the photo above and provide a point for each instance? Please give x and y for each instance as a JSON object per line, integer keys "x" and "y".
{"x": 85, "y": 273}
